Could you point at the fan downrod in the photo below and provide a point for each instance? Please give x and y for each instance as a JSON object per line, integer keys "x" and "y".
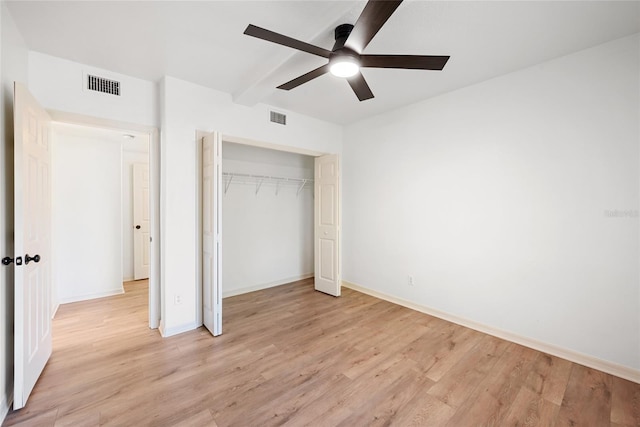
{"x": 341, "y": 34}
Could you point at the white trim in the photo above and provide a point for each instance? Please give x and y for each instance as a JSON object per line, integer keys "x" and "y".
{"x": 198, "y": 261}
{"x": 564, "y": 353}
{"x": 81, "y": 119}
{"x": 198, "y": 167}
{"x": 155, "y": 278}
{"x": 155, "y": 293}
{"x": 240, "y": 291}
{"x": 53, "y": 315}
{"x": 87, "y": 297}
{"x": 177, "y": 329}
{"x": 4, "y": 407}
{"x": 271, "y": 146}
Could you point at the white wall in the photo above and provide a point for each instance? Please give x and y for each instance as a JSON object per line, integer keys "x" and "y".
{"x": 497, "y": 198}
{"x": 131, "y": 153}
{"x": 58, "y": 84}
{"x": 268, "y": 238}
{"x": 13, "y": 67}
{"x": 182, "y": 109}
{"x": 186, "y": 108}
{"x": 86, "y": 214}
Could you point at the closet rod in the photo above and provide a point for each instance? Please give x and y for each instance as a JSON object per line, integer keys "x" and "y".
{"x": 259, "y": 180}
{"x": 230, "y": 175}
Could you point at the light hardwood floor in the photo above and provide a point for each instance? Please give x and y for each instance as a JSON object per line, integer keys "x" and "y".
{"x": 292, "y": 356}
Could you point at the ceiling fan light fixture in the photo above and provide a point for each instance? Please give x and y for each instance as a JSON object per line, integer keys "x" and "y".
{"x": 344, "y": 66}
{"x": 346, "y": 57}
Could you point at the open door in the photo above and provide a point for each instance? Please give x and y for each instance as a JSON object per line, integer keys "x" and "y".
{"x": 327, "y": 225}
{"x": 212, "y": 232}
{"x": 141, "y": 221}
{"x": 32, "y": 306}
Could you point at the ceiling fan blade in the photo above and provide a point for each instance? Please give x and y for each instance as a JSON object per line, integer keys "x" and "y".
{"x": 305, "y": 78}
{"x": 414, "y": 62}
{"x": 283, "y": 40}
{"x": 360, "y": 87}
{"x": 372, "y": 18}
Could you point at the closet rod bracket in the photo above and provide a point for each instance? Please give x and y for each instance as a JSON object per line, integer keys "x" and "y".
{"x": 304, "y": 181}
{"x": 226, "y": 187}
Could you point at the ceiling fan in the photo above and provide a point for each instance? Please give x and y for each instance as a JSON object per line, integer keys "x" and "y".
{"x": 346, "y": 57}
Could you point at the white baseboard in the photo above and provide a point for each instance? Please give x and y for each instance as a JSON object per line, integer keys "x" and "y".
{"x": 564, "y": 353}
{"x": 87, "y": 297}
{"x": 175, "y": 330}
{"x": 234, "y": 292}
{"x": 5, "y": 405}
{"x": 55, "y": 311}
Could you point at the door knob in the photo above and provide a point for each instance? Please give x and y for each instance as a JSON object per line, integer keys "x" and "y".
{"x": 28, "y": 259}
{"x": 137, "y": 227}
{"x": 8, "y": 260}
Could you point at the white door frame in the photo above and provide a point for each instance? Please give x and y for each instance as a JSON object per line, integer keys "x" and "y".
{"x": 155, "y": 296}
{"x": 244, "y": 141}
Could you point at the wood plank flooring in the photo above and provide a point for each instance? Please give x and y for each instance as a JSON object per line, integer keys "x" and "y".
{"x": 292, "y": 356}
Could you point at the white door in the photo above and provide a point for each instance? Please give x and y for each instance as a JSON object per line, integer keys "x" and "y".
{"x": 327, "y": 225}
{"x": 211, "y": 233}
{"x": 32, "y": 187}
{"x": 141, "y": 221}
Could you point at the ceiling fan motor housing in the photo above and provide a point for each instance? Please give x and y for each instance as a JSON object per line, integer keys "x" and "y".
{"x": 343, "y": 55}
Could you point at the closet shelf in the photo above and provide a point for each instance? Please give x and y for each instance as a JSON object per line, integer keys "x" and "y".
{"x": 259, "y": 180}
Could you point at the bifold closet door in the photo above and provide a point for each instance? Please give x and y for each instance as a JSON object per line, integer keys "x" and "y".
{"x": 327, "y": 224}
{"x": 212, "y": 233}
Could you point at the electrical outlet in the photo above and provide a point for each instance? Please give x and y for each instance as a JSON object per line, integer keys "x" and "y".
{"x": 178, "y": 299}
{"x": 410, "y": 281}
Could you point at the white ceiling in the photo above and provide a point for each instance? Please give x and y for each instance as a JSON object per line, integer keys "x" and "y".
{"x": 202, "y": 42}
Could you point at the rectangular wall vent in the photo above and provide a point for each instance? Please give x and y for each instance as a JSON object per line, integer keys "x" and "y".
{"x": 100, "y": 84}
{"x": 278, "y": 118}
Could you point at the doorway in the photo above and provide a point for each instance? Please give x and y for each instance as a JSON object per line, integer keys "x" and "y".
{"x": 135, "y": 207}
{"x": 277, "y": 167}
{"x": 93, "y": 230}
{"x": 268, "y": 218}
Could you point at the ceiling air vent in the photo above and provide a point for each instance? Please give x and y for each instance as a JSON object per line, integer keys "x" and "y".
{"x": 278, "y": 118}
{"x": 100, "y": 84}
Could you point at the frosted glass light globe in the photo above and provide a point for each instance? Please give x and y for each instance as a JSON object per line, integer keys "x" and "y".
{"x": 344, "y": 67}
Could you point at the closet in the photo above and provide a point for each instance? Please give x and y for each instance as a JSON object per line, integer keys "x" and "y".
{"x": 268, "y": 217}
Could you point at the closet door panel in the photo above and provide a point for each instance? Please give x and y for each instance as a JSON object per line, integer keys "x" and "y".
{"x": 327, "y": 224}
{"x": 212, "y": 233}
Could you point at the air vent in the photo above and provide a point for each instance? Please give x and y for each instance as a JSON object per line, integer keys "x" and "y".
{"x": 278, "y": 118}
{"x": 100, "y": 84}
